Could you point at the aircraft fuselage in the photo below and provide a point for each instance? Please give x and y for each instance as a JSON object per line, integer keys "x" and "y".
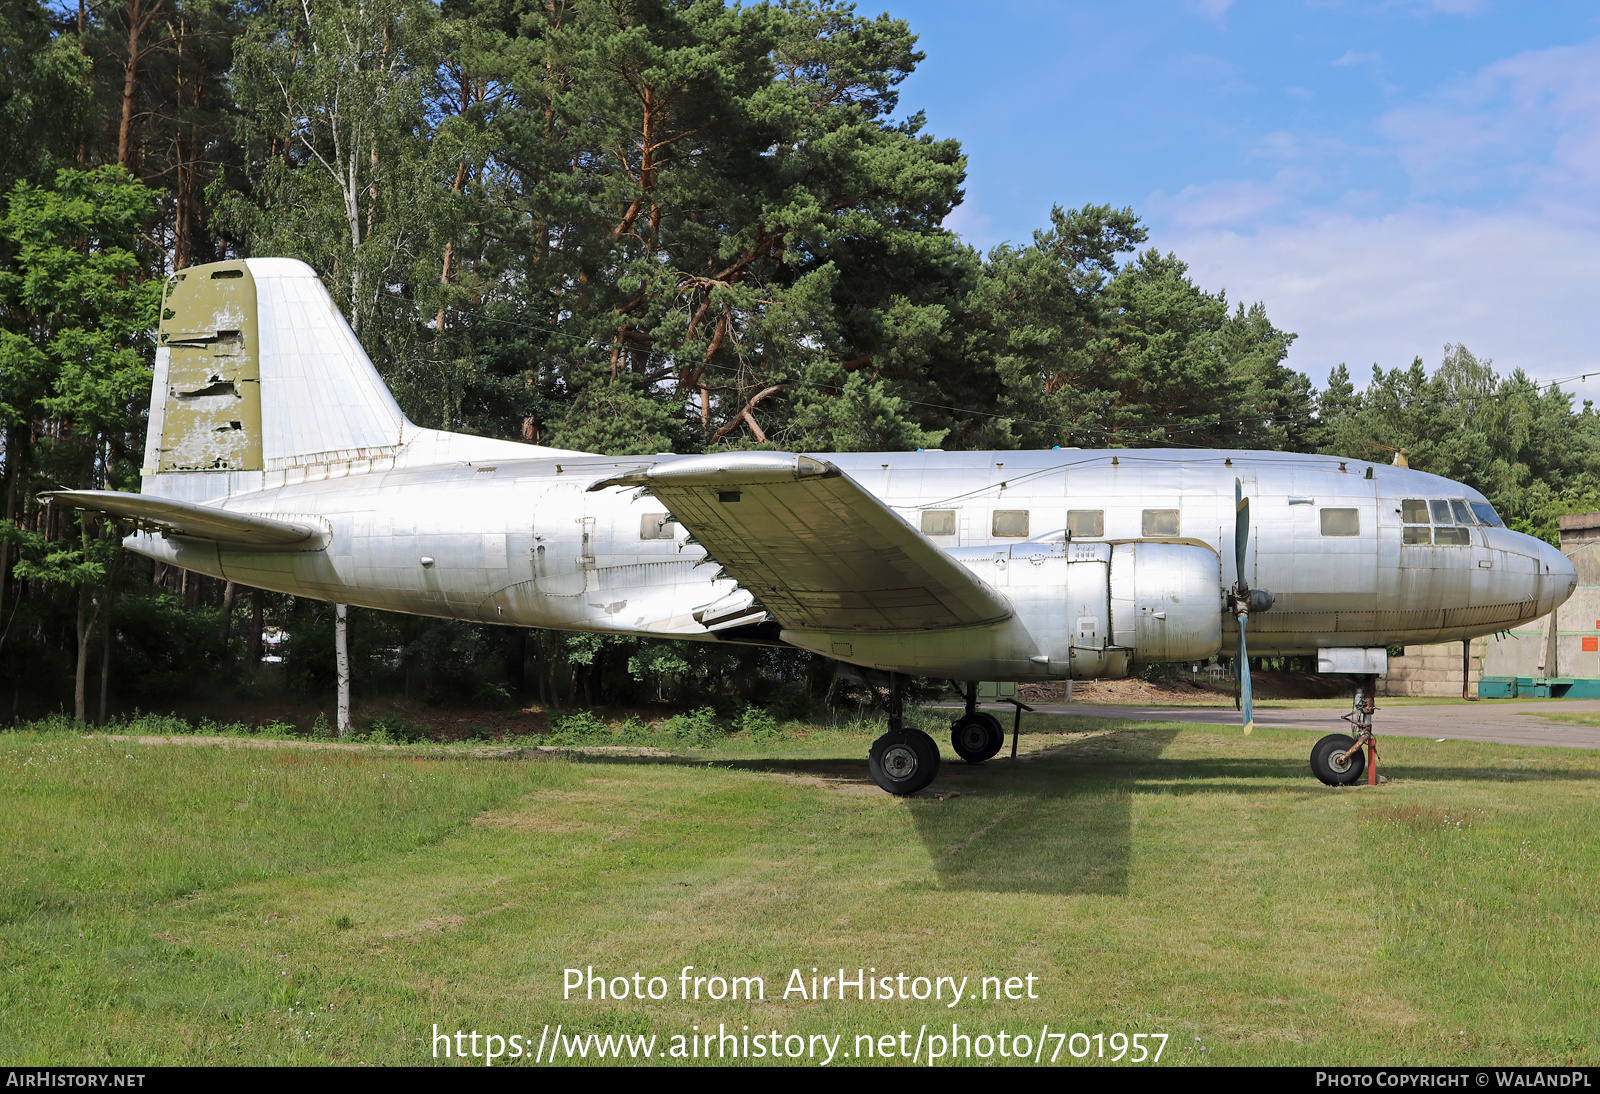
{"x": 523, "y": 542}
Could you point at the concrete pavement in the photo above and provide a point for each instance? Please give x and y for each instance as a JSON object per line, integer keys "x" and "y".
{"x": 1502, "y": 723}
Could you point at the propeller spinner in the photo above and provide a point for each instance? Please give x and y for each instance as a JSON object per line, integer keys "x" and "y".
{"x": 1243, "y": 600}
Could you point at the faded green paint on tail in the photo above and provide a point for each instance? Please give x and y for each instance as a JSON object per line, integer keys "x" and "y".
{"x": 207, "y": 393}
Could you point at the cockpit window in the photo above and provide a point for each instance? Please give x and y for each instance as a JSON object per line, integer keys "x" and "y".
{"x": 1487, "y": 515}
{"x": 1452, "y": 521}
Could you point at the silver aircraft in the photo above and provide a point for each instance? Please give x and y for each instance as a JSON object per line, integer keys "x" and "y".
{"x": 277, "y": 458}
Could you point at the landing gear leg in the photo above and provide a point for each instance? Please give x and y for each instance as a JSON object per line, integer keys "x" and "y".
{"x": 977, "y": 735}
{"x": 903, "y": 760}
{"x": 1339, "y": 759}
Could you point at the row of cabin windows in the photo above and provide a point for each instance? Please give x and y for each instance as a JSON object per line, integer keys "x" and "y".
{"x": 1091, "y": 523}
{"x": 1154, "y": 523}
{"x": 1081, "y": 523}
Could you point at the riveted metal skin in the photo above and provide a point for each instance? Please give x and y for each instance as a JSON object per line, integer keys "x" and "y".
{"x": 823, "y": 551}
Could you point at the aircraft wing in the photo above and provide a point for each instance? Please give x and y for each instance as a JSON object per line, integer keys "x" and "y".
{"x": 182, "y": 518}
{"x": 813, "y": 547}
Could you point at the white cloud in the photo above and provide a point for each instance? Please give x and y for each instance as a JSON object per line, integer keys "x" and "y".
{"x": 1449, "y": 7}
{"x": 1212, "y": 10}
{"x": 1496, "y": 245}
{"x": 1530, "y": 123}
{"x": 1229, "y": 201}
{"x": 1351, "y": 57}
{"x": 1360, "y": 289}
{"x": 974, "y": 227}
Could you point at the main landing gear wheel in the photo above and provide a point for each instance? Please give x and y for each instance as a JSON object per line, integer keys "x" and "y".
{"x": 977, "y": 737}
{"x": 903, "y": 761}
{"x": 1326, "y": 767}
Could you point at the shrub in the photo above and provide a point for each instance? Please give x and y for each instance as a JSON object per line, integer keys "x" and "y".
{"x": 582, "y": 728}
{"x": 697, "y": 729}
{"x": 393, "y": 729}
{"x": 632, "y": 732}
{"x": 761, "y": 725}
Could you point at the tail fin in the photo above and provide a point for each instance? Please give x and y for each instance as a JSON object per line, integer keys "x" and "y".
{"x": 259, "y": 380}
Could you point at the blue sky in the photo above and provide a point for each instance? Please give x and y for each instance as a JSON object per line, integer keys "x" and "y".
{"x": 1386, "y": 176}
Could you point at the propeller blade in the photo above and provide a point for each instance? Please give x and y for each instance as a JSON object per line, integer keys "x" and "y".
{"x": 1242, "y": 671}
{"x": 1241, "y": 532}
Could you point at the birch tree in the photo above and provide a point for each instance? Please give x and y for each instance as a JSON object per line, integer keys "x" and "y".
{"x": 331, "y": 97}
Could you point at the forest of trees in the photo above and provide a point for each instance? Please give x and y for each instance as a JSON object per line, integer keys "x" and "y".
{"x": 624, "y": 226}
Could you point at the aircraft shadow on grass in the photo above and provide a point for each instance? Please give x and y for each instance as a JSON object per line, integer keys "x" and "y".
{"x": 1060, "y": 821}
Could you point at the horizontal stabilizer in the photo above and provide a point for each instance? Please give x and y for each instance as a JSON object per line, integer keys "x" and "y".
{"x": 809, "y": 545}
{"x": 181, "y": 518}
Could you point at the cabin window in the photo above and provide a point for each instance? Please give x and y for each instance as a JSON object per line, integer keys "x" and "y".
{"x": 657, "y": 526}
{"x": 1414, "y": 511}
{"x": 1012, "y": 523}
{"x": 1453, "y": 537}
{"x": 1461, "y": 512}
{"x": 1160, "y": 522}
{"x": 938, "y": 522}
{"x": 1418, "y": 535}
{"x": 1441, "y": 512}
{"x": 1341, "y": 522}
{"x": 1086, "y": 523}
{"x": 1486, "y": 515}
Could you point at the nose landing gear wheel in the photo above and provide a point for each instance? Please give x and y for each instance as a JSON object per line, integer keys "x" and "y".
{"x": 1335, "y": 772}
{"x": 903, "y": 761}
{"x": 977, "y": 737}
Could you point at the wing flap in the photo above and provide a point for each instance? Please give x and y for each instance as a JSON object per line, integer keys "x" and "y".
{"x": 181, "y": 518}
{"x": 813, "y": 547}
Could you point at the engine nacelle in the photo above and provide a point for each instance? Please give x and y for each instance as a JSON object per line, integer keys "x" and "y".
{"x": 1089, "y": 610}
{"x": 1165, "y": 601}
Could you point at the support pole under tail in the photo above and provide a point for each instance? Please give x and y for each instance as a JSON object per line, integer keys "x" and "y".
{"x": 341, "y": 654}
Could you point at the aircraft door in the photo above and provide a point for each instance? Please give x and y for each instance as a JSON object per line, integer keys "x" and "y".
{"x": 1088, "y": 603}
{"x": 563, "y": 550}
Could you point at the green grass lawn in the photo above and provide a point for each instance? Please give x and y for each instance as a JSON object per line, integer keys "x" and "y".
{"x": 1590, "y": 719}
{"x": 207, "y": 904}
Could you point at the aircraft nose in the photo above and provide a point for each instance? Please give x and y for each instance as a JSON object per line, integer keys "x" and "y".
{"x": 1558, "y": 578}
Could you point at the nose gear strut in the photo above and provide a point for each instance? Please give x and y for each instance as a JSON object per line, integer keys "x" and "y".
{"x": 1338, "y": 759}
